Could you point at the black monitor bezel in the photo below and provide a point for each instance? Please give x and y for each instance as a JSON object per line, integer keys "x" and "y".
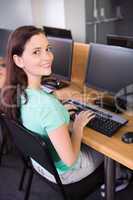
{"x": 61, "y": 34}
{"x": 122, "y": 38}
{"x": 5, "y": 34}
{"x": 57, "y": 32}
{"x": 87, "y": 70}
{"x": 99, "y": 89}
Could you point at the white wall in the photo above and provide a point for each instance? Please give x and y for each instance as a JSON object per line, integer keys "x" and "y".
{"x": 53, "y": 13}
{"x": 75, "y": 18}
{"x": 14, "y": 13}
{"x": 37, "y": 12}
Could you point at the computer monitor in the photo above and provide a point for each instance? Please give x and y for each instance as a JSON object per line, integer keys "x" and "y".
{"x": 57, "y": 32}
{"x": 4, "y": 34}
{"x": 110, "y": 69}
{"x": 61, "y": 44}
{"x": 120, "y": 40}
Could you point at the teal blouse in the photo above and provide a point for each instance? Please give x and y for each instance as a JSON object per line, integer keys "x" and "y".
{"x": 41, "y": 114}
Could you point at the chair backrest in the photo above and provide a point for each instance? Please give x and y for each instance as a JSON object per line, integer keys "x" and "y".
{"x": 30, "y": 144}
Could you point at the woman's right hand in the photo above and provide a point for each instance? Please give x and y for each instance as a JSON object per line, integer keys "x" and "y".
{"x": 81, "y": 120}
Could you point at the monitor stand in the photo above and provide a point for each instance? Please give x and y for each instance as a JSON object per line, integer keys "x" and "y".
{"x": 108, "y": 104}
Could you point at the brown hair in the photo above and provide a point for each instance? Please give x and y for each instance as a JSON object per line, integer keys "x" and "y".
{"x": 16, "y": 80}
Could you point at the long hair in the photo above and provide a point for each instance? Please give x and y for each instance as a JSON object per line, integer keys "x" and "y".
{"x": 16, "y": 79}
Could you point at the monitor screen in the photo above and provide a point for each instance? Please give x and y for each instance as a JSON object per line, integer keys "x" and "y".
{"x": 110, "y": 68}
{"x": 4, "y": 34}
{"x": 62, "y": 49}
{"x": 120, "y": 40}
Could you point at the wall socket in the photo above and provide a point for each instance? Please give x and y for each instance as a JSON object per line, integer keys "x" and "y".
{"x": 102, "y": 12}
{"x": 95, "y": 14}
{"x": 118, "y": 11}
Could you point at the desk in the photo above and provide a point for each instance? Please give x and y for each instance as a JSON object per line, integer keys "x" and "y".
{"x": 114, "y": 150}
{"x": 111, "y": 147}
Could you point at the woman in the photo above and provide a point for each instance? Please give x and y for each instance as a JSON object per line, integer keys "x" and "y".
{"x": 28, "y": 59}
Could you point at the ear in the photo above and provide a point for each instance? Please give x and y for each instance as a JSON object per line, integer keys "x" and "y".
{"x": 18, "y": 61}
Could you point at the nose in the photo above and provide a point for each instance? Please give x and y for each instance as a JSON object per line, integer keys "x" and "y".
{"x": 48, "y": 55}
{"x": 1, "y": 69}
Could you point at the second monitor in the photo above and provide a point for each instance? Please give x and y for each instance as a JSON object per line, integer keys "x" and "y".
{"x": 120, "y": 40}
{"x": 4, "y": 34}
{"x": 61, "y": 44}
{"x": 110, "y": 69}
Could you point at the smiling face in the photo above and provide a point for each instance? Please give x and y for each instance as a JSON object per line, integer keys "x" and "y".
{"x": 36, "y": 59}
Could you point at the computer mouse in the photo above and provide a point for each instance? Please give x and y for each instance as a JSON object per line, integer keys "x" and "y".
{"x": 127, "y": 137}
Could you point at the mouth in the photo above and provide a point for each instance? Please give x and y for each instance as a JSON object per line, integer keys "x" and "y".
{"x": 47, "y": 65}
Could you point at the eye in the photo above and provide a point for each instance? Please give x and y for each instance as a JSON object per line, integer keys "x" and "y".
{"x": 37, "y": 52}
{"x": 49, "y": 48}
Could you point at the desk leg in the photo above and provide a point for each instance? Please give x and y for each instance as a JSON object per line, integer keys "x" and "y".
{"x": 109, "y": 168}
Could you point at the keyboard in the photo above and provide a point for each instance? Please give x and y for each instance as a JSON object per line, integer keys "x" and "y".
{"x": 104, "y": 121}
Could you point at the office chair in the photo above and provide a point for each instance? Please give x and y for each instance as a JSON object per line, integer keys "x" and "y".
{"x": 31, "y": 145}
{"x": 2, "y": 145}
{"x": 4, "y": 137}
